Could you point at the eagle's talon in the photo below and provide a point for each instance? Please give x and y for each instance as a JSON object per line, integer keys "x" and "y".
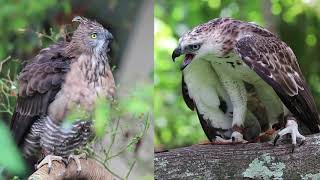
{"x": 291, "y": 129}
{"x": 78, "y": 172}
{"x": 48, "y": 160}
{"x": 233, "y": 140}
{"x": 293, "y": 148}
{"x": 65, "y": 163}
{"x": 276, "y": 139}
{"x": 302, "y": 143}
{"x": 77, "y": 158}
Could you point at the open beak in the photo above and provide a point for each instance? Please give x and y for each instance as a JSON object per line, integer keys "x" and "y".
{"x": 187, "y": 60}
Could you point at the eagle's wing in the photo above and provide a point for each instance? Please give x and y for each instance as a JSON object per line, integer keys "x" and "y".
{"x": 207, "y": 128}
{"x": 276, "y": 64}
{"x": 39, "y": 82}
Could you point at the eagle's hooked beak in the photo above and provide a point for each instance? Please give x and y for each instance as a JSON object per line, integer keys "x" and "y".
{"x": 176, "y": 53}
{"x": 109, "y": 36}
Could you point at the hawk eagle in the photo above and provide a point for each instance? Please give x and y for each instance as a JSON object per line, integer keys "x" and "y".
{"x": 64, "y": 76}
{"x": 240, "y": 53}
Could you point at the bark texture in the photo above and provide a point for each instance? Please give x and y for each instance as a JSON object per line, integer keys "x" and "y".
{"x": 91, "y": 170}
{"x": 241, "y": 161}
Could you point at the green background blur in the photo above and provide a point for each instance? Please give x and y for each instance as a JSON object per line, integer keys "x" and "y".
{"x": 297, "y": 22}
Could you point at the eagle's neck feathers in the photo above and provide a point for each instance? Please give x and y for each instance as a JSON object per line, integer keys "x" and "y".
{"x": 92, "y": 68}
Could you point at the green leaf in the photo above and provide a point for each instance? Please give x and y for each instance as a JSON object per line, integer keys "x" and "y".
{"x": 10, "y": 157}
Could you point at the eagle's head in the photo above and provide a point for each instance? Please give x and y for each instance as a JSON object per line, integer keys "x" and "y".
{"x": 91, "y": 37}
{"x": 202, "y": 41}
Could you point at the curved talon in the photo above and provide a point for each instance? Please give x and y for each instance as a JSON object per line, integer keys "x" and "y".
{"x": 276, "y": 139}
{"x": 77, "y": 158}
{"x": 233, "y": 140}
{"x": 291, "y": 129}
{"x": 293, "y": 148}
{"x": 302, "y": 142}
{"x": 48, "y": 160}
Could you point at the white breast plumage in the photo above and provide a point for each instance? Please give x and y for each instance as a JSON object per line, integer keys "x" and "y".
{"x": 205, "y": 89}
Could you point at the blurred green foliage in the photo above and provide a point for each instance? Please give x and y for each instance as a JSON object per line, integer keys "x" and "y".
{"x": 10, "y": 157}
{"x": 139, "y": 100}
{"x": 297, "y": 22}
{"x": 101, "y": 116}
{"x": 18, "y": 16}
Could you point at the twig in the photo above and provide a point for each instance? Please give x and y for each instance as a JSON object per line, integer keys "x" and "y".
{"x": 107, "y": 168}
{"x": 4, "y": 61}
{"x": 131, "y": 167}
{"x": 39, "y": 34}
{"x": 113, "y": 137}
{"x": 134, "y": 141}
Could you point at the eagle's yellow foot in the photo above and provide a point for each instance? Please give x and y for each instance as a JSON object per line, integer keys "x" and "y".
{"x": 48, "y": 160}
{"x": 77, "y": 158}
{"x": 292, "y": 129}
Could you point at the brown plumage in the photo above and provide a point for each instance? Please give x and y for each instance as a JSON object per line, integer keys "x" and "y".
{"x": 62, "y": 77}
{"x": 239, "y": 53}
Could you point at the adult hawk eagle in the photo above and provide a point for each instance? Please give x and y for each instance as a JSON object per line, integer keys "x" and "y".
{"x": 240, "y": 53}
{"x": 64, "y": 76}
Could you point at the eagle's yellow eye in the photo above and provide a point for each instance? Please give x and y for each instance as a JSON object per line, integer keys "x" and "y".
{"x": 94, "y": 35}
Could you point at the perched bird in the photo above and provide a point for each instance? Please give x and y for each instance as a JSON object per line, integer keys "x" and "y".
{"x": 241, "y": 52}
{"x": 63, "y": 77}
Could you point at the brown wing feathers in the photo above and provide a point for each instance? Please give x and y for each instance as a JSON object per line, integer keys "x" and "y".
{"x": 39, "y": 82}
{"x": 275, "y": 63}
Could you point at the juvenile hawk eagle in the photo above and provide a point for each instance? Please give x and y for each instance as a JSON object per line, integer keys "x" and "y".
{"x": 242, "y": 52}
{"x": 64, "y": 76}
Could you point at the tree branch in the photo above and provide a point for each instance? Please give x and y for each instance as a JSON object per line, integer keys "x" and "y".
{"x": 241, "y": 161}
{"x": 91, "y": 170}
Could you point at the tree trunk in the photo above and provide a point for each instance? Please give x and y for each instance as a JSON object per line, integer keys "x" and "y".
{"x": 241, "y": 161}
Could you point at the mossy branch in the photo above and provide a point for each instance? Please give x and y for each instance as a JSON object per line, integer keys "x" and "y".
{"x": 241, "y": 161}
